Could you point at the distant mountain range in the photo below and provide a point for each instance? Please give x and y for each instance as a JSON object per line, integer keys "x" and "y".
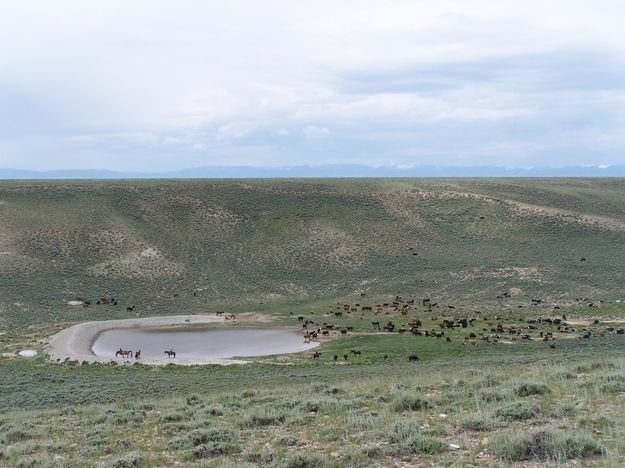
{"x": 337, "y": 170}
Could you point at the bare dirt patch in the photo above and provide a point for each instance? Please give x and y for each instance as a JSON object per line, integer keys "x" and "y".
{"x": 147, "y": 262}
{"x": 566, "y": 216}
{"x": 498, "y": 273}
{"x": 255, "y": 317}
{"x": 522, "y": 208}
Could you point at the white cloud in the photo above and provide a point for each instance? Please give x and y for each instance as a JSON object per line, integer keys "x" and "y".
{"x": 84, "y": 84}
{"x": 312, "y": 131}
{"x": 235, "y": 129}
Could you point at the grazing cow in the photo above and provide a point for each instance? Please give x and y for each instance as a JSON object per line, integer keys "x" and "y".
{"x": 300, "y": 318}
{"x": 448, "y": 339}
{"x": 375, "y": 325}
{"x": 413, "y": 358}
{"x": 130, "y": 309}
{"x": 365, "y": 308}
{"x": 171, "y": 353}
{"x": 356, "y": 352}
{"x": 343, "y": 331}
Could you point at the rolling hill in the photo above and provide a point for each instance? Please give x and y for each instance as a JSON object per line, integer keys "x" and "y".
{"x": 180, "y": 246}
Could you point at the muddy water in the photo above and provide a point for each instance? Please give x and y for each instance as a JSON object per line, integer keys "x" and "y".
{"x": 201, "y": 343}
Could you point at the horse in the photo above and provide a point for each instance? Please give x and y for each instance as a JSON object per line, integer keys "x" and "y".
{"x": 123, "y": 353}
{"x": 171, "y": 353}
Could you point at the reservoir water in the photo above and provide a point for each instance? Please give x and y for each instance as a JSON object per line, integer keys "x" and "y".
{"x": 201, "y": 343}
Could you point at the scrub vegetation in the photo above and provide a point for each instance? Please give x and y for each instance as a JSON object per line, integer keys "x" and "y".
{"x": 534, "y": 375}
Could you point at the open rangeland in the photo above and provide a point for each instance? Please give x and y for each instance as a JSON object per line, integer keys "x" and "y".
{"x": 471, "y": 322}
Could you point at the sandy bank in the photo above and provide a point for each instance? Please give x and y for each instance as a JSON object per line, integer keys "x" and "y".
{"x": 75, "y": 342}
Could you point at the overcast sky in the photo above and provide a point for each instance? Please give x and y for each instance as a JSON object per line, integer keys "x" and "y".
{"x": 160, "y": 85}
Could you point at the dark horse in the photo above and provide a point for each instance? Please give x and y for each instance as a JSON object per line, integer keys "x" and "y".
{"x": 123, "y": 353}
{"x": 171, "y": 353}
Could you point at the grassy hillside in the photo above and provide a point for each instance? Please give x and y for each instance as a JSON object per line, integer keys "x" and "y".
{"x": 251, "y": 242}
{"x": 508, "y": 388}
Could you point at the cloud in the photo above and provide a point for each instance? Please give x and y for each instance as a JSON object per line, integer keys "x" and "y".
{"x": 148, "y": 84}
{"x": 312, "y": 131}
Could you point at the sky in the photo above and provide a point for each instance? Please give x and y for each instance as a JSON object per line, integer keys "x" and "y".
{"x": 163, "y": 85}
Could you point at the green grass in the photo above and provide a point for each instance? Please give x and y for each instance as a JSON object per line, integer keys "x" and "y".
{"x": 289, "y": 248}
{"x": 275, "y": 245}
{"x": 356, "y": 422}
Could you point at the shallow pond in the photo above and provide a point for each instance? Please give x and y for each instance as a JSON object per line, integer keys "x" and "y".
{"x": 201, "y": 343}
